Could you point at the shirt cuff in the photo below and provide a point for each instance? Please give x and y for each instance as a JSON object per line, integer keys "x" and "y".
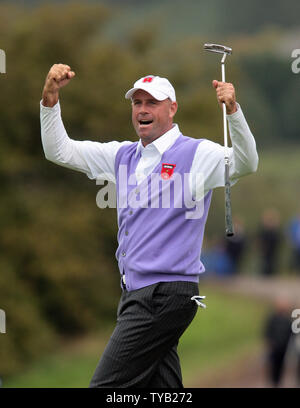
{"x": 236, "y": 115}
{"x": 54, "y": 108}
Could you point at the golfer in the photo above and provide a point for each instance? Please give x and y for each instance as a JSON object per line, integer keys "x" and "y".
{"x": 159, "y": 245}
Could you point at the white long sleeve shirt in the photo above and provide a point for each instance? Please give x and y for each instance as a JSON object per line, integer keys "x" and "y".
{"x": 97, "y": 160}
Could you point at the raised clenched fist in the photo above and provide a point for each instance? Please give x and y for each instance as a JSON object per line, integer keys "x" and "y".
{"x": 58, "y": 76}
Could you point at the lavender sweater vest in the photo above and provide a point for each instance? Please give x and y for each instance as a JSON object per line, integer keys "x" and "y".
{"x": 158, "y": 244}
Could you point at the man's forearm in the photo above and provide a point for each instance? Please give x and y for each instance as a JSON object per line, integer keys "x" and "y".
{"x": 245, "y": 157}
{"x": 55, "y": 140}
{"x": 58, "y": 147}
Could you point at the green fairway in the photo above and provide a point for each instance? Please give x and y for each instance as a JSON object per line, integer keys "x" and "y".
{"x": 230, "y": 325}
{"x": 221, "y": 334}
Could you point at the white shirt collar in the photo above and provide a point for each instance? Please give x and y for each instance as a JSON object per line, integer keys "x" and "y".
{"x": 163, "y": 142}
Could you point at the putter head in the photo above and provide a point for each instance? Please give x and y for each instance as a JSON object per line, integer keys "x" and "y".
{"x": 220, "y": 49}
{"x": 2, "y": 62}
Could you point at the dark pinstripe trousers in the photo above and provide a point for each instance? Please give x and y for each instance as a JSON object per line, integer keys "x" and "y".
{"x": 142, "y": 351}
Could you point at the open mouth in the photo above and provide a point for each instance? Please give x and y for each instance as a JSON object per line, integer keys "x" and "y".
{"x": 145, "y": 122}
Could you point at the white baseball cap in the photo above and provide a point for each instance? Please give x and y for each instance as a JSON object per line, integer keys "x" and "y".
{"x": 159, "y": 88}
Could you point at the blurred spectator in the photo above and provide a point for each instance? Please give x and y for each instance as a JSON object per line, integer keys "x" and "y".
{"x": 277, "y": 333}
{"x": 269, "y": 237}
{"x": 235, "y": 245}
{"x": 294, "y": 237}
{"x": 215, "y": 258}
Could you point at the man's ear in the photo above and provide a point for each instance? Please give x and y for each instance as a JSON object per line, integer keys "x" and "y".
{"x": 173, "y": 108}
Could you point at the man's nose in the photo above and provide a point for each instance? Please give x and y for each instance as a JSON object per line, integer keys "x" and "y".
{"x": 143, "y": 108}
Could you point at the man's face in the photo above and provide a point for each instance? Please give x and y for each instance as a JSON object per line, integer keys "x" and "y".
{"x": 151, "y": 118}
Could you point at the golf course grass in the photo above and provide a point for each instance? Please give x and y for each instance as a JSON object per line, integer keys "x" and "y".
{"x": 218, "y": 335}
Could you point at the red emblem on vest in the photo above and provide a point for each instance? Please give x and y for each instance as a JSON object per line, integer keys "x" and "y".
{"x": 148, "y": 79}
{"x": 167, "y": 170}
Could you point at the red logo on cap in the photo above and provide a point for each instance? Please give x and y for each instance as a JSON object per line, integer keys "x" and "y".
{"x": 148, "y": 79}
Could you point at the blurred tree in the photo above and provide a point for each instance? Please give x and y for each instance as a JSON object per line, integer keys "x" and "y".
{"x": 46, "y": 213}
{"x": 268, "y": 80}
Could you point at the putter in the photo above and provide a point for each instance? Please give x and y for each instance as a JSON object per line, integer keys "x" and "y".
{"x": 222, "y": 49}
{"x": 2, "y": 62}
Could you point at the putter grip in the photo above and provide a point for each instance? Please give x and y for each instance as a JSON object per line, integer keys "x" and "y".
{"x": 228, "y": 216}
